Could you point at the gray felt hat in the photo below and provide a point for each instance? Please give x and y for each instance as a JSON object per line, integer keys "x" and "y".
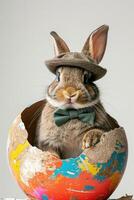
{"x": 76, "y": 59}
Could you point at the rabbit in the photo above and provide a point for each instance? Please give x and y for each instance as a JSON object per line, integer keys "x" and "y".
{"x": 74, "y": 88}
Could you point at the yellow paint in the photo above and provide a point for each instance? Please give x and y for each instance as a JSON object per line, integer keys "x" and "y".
{"x": 14, "y": 158}
{"x": 85, "y": 165}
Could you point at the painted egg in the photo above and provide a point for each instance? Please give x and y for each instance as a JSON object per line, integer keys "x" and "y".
{"x": 93, "y": 175}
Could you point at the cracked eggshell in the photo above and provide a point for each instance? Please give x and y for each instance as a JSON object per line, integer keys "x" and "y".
{"x": 94, "y": 174}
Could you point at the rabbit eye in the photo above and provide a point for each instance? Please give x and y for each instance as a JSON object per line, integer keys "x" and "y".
{"x": 58, "y": 76}
{"x": 87, "y": 78}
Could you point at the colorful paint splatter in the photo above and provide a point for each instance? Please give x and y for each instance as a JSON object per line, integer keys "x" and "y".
{"x": 69, "y": 179}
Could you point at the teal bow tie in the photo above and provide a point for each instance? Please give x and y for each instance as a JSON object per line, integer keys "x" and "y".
{"x": 84, "y": 114}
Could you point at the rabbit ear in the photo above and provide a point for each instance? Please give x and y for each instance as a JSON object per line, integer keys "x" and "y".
{"x": 59, "y": 45}
{"x": 96, "y": 43}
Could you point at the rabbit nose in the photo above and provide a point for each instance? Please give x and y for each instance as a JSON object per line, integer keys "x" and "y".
{"x": 73, "y": 95}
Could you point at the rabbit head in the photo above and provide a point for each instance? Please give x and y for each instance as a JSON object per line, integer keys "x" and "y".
{"x": 73, "y": 86}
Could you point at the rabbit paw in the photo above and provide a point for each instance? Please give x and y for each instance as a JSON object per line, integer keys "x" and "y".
{"x": 91, "y": 138}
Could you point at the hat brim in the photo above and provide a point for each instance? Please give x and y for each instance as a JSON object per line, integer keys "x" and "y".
{"x": 96, "y": 70}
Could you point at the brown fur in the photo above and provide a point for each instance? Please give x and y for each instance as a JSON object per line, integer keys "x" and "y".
{"x": 66, "y": 140}
{"x": 69, "y": 90}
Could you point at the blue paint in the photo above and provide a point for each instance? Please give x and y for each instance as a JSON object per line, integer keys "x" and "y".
{"x": 119, "y": 158}
{"x": 89, "y": 187}
{"x": 99, "y": 177}
{"x": 44, "y": 197}
{"x": 119, "y": 145}
{"x": 69, "y": 168}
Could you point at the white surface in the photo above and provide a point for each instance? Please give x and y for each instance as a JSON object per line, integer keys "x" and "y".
{"x": 25, "y": 44}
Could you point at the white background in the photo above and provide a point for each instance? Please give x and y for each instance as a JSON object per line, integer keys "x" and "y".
{"x": 25, "y": 44}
